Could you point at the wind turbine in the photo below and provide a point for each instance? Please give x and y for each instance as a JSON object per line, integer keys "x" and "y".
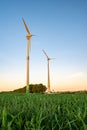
{"x": 48, "y": 59}
{"x": 29, "y": 35}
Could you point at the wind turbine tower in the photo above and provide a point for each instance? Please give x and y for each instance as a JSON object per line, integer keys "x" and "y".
{"x": 48, "y": 67}
{"x": 29, "y": 35}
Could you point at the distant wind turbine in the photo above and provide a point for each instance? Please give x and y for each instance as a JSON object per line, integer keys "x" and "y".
{"x": 48, "y": 59}
{"x": 29, "y": 35}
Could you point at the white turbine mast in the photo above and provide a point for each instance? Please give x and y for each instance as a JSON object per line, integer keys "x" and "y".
{"x": 48, "y": 68}
{"x": 29, "y": 35}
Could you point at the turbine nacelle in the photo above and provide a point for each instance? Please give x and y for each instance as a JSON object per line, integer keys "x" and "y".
{"x": 29, "y": 35}
{"x": 51, "y": 58}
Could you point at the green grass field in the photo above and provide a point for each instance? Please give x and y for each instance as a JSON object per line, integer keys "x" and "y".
{"x": 43, "y": 111}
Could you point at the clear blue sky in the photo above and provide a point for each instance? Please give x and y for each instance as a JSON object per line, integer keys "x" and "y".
{"x": 60, "y": 27}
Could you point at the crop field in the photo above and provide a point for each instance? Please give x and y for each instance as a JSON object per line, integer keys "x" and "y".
{"x": 43, "y": 111}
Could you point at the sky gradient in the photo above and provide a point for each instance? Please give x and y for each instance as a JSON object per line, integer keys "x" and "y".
{"x": 60, "y": 27}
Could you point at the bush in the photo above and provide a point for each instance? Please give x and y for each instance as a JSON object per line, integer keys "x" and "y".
{"x": 33, "y": 88}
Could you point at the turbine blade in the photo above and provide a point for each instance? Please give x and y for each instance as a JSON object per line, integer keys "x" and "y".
{"x": 26, "y": 26}
{"x": 33, "y": 35}
{"x": 45, "y": 54}
{"x": 52, "y": 58}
